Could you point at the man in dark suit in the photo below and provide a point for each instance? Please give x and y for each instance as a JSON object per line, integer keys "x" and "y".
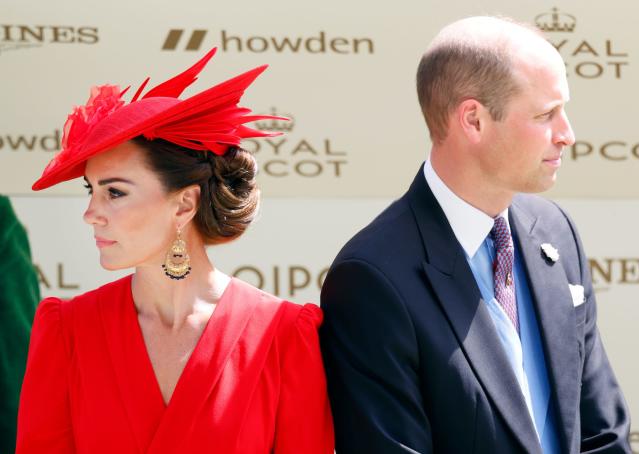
{"x": 463, "y": 319}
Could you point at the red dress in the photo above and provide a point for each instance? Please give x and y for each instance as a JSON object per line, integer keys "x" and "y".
{"x": 253, "y": 384}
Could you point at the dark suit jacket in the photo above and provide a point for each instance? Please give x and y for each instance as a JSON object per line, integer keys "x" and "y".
{"x": 413, "y": 360}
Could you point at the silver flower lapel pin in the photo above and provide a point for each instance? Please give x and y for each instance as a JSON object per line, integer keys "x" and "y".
{"x": 550, "y": 252}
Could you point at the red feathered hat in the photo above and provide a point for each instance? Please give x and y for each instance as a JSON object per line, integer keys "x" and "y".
{"x": 210, "y": 120}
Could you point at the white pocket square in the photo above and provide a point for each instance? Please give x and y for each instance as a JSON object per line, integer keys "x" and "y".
{"x": 577, "y": 293}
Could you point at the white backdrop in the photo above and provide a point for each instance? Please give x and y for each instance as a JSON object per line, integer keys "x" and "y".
{"x": 345, "y": 72}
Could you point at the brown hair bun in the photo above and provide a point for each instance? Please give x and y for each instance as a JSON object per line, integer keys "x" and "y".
{"x": 229, "y": 196}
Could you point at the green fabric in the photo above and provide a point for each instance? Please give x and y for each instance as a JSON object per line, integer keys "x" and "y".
{"x": 19, "y": 296}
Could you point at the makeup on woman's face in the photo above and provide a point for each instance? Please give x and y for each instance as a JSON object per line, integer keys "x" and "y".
{"x": 131, "y": 214}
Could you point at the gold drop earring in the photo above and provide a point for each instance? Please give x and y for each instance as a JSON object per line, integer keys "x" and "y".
{"x": 177, "y": 264}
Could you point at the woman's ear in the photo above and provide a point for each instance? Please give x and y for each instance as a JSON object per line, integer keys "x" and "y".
{"x": 188, "y": 202}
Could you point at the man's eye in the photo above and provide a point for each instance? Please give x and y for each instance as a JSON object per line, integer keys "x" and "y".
{"x": 550, "y": 113}
{"x": 546, "y": 115}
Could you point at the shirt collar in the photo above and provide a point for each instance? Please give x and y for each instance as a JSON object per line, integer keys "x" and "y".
{"x": 470, "y": 225}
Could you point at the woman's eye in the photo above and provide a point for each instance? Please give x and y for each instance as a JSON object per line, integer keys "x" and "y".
{"x": 114, "y": 193}
{"x": 89, "y": 188}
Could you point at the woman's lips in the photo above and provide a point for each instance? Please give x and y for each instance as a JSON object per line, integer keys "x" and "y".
{"x": 103, "y": 242}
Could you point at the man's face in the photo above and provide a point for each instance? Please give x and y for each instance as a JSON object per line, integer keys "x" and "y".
{"x": 522, "y": 152}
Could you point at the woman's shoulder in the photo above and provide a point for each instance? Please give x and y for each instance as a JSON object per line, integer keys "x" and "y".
{"x": 66, "y": 319}
{"x": 291, "y": 317}
{"x": 53, "y": 307}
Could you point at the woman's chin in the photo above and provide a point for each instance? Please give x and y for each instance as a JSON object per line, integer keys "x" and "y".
{"x": 111, "y": 265}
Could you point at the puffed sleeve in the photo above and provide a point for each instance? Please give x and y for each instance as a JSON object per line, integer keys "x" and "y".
{"x": 304, "y": 421}
{"x": 44, "y": 421}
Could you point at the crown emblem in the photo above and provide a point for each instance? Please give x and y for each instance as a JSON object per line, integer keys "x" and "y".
{"x": 276, "y": 125}
{"x": 556, "y": 21}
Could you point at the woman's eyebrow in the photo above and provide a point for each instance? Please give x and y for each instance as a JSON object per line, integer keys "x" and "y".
{"x": 114, "y": 180}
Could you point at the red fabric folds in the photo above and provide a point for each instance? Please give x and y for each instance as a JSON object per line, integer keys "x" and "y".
{"x": 254, "y": 384}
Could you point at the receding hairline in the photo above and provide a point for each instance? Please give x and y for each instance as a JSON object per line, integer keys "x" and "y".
{"x": 477, "y": 57}
{"x": 502, "y": 33}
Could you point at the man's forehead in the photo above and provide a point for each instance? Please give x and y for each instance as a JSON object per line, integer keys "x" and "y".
{"x": 538, "y": 63}
{"x": 543, "y": 82}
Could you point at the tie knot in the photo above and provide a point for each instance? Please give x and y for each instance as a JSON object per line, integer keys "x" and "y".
{"x": 501, "y": 234}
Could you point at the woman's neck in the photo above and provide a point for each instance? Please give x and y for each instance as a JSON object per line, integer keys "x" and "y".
{"x": 171, "y": 301}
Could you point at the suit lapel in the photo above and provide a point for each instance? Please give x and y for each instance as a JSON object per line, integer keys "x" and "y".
{"x": 452, "y": 280}
{"x": 553, "y": 305}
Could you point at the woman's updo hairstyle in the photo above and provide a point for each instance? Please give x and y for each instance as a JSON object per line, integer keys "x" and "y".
{"x": 229, "y": 196}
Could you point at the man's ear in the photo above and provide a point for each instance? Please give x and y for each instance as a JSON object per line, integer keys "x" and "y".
{"x": 470, "y": 116}
{"x": 187, "y": 204}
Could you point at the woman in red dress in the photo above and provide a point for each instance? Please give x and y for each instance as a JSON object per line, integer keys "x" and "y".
{"x": 177, "y": 357}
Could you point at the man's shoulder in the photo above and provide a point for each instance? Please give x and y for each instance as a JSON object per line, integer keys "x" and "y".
{"x": 541, "y": 208}
{"x": 384, "y": 236}
{"x": 549, "y": 223}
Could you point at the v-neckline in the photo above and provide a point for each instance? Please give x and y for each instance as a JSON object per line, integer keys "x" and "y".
{"x": 145, "y": 359}
{"x": 159, "y": 428}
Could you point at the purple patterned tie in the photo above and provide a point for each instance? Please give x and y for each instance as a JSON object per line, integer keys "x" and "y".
{"x": 503, "y": 269}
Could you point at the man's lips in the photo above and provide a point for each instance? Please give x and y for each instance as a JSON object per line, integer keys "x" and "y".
{"x": 103, "y": 242}
{"x": 554, "y": 161}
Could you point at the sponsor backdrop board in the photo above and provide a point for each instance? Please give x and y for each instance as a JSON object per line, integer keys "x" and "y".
{"x": 344, "y": 73}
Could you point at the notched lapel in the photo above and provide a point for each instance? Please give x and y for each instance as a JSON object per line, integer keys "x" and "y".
{"x": 557, "y": 325}
{"x": 466, "y": 311}
{"x": 448, "y": 273}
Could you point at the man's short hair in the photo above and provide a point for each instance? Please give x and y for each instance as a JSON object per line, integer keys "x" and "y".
{"x": 453, "y": 70}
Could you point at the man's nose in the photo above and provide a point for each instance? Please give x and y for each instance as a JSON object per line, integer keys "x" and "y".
{"x": 564, "y": 134}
